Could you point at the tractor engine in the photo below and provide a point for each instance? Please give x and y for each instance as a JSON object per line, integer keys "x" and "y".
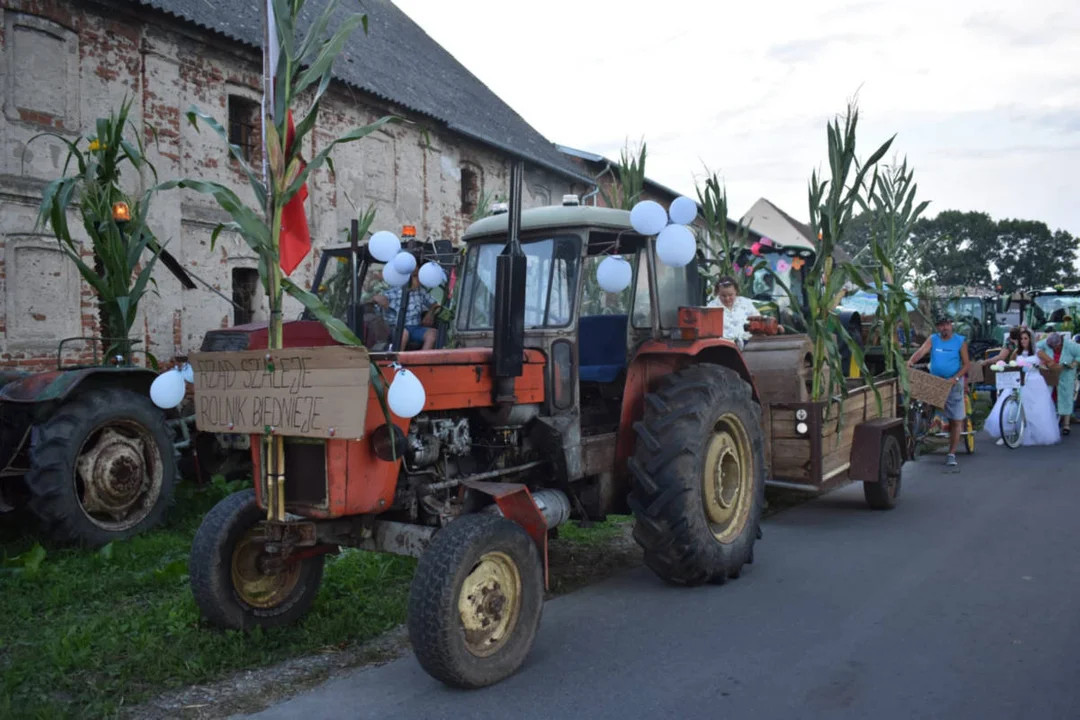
{"x": 443, "y": 450}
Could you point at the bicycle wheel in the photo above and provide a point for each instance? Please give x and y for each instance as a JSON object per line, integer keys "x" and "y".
{"x": 1012, "y": 421}
{"x": 918, "y": 426}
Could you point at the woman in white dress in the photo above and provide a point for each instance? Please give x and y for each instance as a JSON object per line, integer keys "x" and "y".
{"x": 1039, "y": 409}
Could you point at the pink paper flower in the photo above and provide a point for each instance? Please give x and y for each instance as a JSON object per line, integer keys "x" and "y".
{"x": 748, "y": 270}
{"x": 737, "y": 268}
{"x": 755, "y": 248}
{"x": 782, "y": 266}
{"x": 766, "y": 242}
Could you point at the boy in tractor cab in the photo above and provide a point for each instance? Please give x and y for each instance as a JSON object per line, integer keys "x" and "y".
{"x": 419, "y": 315}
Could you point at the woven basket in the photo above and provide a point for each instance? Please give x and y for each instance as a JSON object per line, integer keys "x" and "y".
{"x": 929, "y": 389}
{"x": 1051, "y": 376}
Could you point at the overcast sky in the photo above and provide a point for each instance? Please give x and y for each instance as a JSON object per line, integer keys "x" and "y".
{"x": 984, "y": 95}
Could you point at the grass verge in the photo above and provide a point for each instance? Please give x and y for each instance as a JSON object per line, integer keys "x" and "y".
{"x": 89, "y": 633}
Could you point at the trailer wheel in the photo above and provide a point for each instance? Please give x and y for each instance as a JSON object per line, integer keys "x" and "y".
{"x": 236, "y": 584}
{"x": 698, "y": 476}
{"x": 882, "y": 495}
{"x": 102, "y": 468}
{"x": 475, "y": 601}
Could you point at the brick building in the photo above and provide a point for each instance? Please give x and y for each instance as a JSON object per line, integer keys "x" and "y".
{"x": 64, "y": 63}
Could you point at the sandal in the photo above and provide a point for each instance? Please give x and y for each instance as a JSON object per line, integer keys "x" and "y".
{"x": 1064, "y": 431}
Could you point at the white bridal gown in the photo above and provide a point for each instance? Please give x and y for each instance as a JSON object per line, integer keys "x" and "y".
{"x": 1039, "y": 409}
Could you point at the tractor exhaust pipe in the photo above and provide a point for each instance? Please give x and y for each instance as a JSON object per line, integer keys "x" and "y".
{"x": 509, "y": 326}
{"x": 552, "y": 504}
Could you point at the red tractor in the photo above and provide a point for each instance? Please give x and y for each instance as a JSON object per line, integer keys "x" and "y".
{"x": 560, "y": 401}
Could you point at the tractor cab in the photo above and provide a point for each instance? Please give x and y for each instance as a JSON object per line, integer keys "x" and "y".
{"x": 353, "y": 303}
{"x": 1054, "y": 309}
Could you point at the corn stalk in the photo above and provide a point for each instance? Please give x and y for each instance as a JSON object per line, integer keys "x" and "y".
{"x": 629, "y": 182}
{"x": 118, "y": 274}
{"x": 832, "y": 205}
{"x": 893, "y": 212}
{"x": 720, "y": 251}
{"x": 304, "y": 68}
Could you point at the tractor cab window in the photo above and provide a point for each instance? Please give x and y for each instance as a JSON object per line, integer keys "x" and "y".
{"x": 332, "y": 283}
{"x": 674, "y": 288}
{"x": 552, "y": 265}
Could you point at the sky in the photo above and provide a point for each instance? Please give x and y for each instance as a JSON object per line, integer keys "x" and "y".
{"x": 982, "y": 95}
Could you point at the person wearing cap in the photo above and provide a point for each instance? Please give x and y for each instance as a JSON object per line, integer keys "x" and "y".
{"x": 948, "y": 359}
{"x": 1058, "y": 351}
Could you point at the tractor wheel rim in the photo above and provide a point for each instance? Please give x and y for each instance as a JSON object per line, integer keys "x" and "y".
{"x": 727, "y": 479}
{"x": 253, "y": 585}
{"x": 118, "y": 475}
{"x": 490, "y": 603}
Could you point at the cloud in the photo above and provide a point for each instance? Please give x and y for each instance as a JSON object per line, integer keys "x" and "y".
{"x": 1035, "y": 32}
{"x": 810, "y": 49}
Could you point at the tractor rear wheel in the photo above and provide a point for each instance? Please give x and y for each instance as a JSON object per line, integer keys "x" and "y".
{"x": 698, "y": 476}
{"x": 239, "y": 586}
{"x": 102, "y": 468}
{"x": 475, "y": 601}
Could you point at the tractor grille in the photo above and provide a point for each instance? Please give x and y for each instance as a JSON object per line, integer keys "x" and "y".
{"x": 305, "y": 472}
{"x": 224, "y": 341}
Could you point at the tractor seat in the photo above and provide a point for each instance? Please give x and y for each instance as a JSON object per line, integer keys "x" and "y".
{"x": 601, "y": 347}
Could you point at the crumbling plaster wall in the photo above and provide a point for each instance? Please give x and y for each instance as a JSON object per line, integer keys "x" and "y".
{"x": 64, "y": 64}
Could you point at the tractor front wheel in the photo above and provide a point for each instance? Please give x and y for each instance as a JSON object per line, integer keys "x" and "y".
{"x": 698, "y": 476}
{"x": 238, "y": 585}
{"x": 102, "y": 468}
{"x": 475, "y": 601}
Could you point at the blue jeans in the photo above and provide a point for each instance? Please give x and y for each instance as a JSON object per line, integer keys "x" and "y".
{"x": 416, "y": 333}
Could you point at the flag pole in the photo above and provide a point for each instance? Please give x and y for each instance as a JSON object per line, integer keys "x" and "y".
{"x": 273, "y": 443}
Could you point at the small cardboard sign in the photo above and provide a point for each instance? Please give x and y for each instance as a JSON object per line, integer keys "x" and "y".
{"x": 303, "y": 392}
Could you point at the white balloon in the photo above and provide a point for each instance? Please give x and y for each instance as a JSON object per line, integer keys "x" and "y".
{"x": 384, "y": 245}
{"x": 648, "y": 217}
{"x": 392, "y": 277}
{"x": 404, "y": 263}
{"x": 167, "y": 390}
{"x": 675, "y": 246}
{"x": 188, "y": 372}
{"x": 432, "y": 275}
{"x": 406, "y": 396}
{"x": 683, "y": 210}
{"x": 613, "y": 274}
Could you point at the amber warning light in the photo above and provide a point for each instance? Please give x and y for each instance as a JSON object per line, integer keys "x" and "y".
{"x": 408, "y": 231}
{"x": 121, "y": 212}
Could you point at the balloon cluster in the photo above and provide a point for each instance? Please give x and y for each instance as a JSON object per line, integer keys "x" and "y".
{"x": 168, "y": 389}
{"x": 385, "y": 247}
{"x": 675, "y": 244}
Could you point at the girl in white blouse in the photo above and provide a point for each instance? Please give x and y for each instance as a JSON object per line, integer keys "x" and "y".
{"x": 737, "y": 309}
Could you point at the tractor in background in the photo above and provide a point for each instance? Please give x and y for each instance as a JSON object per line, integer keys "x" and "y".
{"x": 552, "y": 406}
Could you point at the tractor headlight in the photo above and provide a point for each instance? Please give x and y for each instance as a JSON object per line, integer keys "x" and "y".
{"x": 382, "y": 446}
{"x": 800, "y": 414}
{"x": 802, "y": 428}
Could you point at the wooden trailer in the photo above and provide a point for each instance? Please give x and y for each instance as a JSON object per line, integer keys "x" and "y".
{"x": 817, "y": 446}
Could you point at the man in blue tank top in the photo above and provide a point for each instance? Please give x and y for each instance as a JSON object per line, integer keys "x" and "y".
{"x": 948, "y": 359}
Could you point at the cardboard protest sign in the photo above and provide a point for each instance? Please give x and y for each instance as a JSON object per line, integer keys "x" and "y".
{"x": 304, "y": 392}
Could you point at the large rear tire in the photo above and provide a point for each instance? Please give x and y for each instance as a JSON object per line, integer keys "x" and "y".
{"x": 102, "y": 468}
{"x": 698, "y": 476}
{"x": 235, "y": 584}
{"x": 475, "y": 601}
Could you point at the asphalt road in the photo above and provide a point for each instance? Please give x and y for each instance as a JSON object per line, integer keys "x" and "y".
{"x": 963, "y": 602}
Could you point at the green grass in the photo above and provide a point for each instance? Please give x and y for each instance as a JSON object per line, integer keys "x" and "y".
{"x": 596, "y": 534}
{"x": 85, "y": 633}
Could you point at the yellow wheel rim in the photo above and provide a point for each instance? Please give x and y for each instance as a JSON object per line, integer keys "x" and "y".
{"x": 253, "y": 585}
{"x": 727, "y": 481}
{"x": 490, "y": 603}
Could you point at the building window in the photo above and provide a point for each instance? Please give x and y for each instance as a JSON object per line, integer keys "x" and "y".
{"x": 470, "y": 191}
{"x": 244, "y": 125}
{"x": 245, "y": 286}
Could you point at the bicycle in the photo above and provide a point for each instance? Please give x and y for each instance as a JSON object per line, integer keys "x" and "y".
{"x": 1012, "y": 419}
{"x": 920, "y": 424}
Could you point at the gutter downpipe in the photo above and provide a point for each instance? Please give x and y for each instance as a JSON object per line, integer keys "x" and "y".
{"x": 596, "y": 186}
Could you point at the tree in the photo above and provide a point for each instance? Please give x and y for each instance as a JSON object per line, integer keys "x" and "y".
{"x": 956, "y": 248}
{"x": 1029, "y": 256}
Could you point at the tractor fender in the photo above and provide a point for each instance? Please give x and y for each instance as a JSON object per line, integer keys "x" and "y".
{"x": 657, "y": 358}
{"x": 58, "y": 385}
{"x": 866, "y": 446}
